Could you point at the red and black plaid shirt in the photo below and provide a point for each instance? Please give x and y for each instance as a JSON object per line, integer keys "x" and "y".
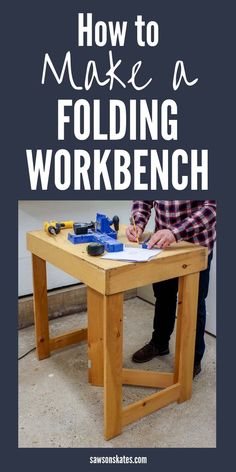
{"x": 189, "y": 220}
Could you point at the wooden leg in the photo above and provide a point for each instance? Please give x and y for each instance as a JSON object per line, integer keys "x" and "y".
{"x": 178, "y": 329}
{"x": 95, "y": 307}
{"x": 40, "y": 307}
{"x": 189, "y": 288}
{"x": 113, "y": 343}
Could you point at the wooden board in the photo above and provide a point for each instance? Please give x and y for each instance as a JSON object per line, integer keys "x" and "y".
{"x": 40, "y": 307}
{"x": 155, "y": 270}
{"x": 67, "y": 339}
{"x": 150, "y": 404}
{"x": 178, "y": 329}
{"x": 95, "y": 309}
{"x": 68, "y": 257}
{"x": 109, "y": 277}
{"x": 146, "y": 378}
{"x": 187, "y": 335}
{"x": 113, "y": 337}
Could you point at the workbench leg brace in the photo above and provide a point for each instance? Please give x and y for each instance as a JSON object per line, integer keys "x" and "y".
{"x": 44, "y": 343}
{"x": 176, "y": 386}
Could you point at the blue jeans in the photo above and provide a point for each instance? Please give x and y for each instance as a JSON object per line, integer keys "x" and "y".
{"x": 165, "y": 311}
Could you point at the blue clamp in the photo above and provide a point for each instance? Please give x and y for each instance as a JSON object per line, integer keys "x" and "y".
{"x": 144, "y": 245}
{"x": 103, "y": 233}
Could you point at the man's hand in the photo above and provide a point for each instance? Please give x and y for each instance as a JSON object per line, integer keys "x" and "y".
{"x": 162, "y": 238}
{"x": 132, "y": 234}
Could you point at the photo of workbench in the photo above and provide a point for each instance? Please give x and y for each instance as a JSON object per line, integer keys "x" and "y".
{"x": 106, "y": 282}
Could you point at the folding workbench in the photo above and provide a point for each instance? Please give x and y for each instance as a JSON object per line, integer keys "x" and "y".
{"x": 106, "y": 282}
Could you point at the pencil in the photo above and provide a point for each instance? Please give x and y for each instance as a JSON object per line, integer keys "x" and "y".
{"x": 135, "y": 229}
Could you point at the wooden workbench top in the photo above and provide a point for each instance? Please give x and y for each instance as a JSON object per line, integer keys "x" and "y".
{"x": 107, "y": 276}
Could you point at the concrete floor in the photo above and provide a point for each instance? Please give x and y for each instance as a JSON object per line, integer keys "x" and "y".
{"x": 58, "y": 408}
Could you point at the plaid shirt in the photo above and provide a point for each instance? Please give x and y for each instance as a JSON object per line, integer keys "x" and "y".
{"x": 189, "y": 220}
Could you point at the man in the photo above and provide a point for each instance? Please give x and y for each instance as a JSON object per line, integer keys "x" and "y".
{"x": 188, "y": 220}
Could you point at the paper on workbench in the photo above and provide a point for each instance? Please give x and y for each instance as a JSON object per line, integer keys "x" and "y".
{"x": 132, "y": 254}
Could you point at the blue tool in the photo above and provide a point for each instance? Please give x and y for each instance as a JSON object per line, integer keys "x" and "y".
{"x": 99, "y": 232}
{"x": 144, "y": 244}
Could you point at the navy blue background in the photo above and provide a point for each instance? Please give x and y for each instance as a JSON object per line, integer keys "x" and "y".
{"x": 201, "y": 34}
